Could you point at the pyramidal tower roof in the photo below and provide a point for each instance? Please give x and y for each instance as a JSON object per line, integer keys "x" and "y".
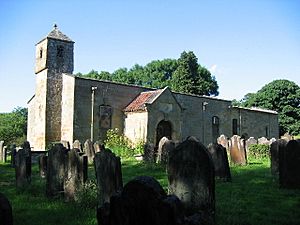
{"x": 58, "y": 35}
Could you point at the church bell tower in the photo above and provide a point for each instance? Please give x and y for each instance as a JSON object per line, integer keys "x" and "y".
{"x": 54, "y": 57}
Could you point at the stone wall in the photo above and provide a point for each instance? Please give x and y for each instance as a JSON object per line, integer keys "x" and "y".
{"x": 136, "y": 124}
{"x": 117, "y": 96}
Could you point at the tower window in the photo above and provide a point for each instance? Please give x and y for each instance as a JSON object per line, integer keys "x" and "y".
{"x": 60, "y": 50}
{"x": 41, "y": 53}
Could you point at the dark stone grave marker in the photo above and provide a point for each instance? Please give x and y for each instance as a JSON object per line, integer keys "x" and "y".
{"x": 6, "y": 216}
{"x": 219, "y": 157}
{"x": 275, "y": 148}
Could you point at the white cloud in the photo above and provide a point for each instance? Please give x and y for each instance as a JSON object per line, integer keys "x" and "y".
{"x": 213, "y": 68}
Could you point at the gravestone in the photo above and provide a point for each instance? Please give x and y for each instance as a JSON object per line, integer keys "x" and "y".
{"x": 13, "y": 155}
{"x": 263, "y": 141}
{"x": 76, "y": 174}
{"x": 164, "y": 147}
{"x": 289, "y": 165}
{"x": 2, "y": 153}
{"x": 250, "y": 141}
{"x": 43, "y": 165}
{"x": 88, "y": 149}
{"x": 275, "y": 148}
{"x": 142, "y": 202}
{"x": 6, "y": 216}
{"x": 237, "y": 151}
{"x": 77, "y": 145}
{"x": 191, "y": 178}
{"x": 5, "y": 153}
{"x": 23, "y": 172}
{"x": 56, "y": 165}
{"x": 108, "y": 175}
{"x": 219, "y": 157}
{"x": 223, "y": 140}
{"x": 149, "y": 152}
{"x": 287, "y": 137}
{"x": 98, "y": 147}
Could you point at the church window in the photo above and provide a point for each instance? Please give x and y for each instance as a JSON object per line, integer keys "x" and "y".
{"x": 105, "y": 116}
{"x": 234, "y": 126}
{"x": 215, "y": 128}
{"x": 267, "y": 131}
{"x": 41, "y": 53}
{"x": 60, "y": 50}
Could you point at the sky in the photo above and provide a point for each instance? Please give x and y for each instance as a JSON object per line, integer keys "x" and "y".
{"x": 245, "y": 44}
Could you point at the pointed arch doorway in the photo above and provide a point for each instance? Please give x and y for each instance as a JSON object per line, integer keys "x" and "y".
{"x": 164, "y": 129}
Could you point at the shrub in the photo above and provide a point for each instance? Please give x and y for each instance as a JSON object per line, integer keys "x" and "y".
{"x": 259, "y": 150}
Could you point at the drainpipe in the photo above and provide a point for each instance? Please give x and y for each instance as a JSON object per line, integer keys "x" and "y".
{"x": 92, "y": 112}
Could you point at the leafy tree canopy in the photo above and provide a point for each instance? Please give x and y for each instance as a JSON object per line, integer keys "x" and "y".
{"x": 13, "y": 126}
{"x": 183, "y": 75}
{"x": 282, "y": 96}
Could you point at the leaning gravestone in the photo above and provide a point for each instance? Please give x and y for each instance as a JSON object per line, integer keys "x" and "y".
{"x": 289, "y": 165}
{"x": 13, "y": 155}
{"x": 108, "y": 175}
{"x": 89, "y": 150}
{"x": 191, "y": 178}
{"x": 23, "y": 166}
{"x": 2, "y": 153}
{"x": 164, "y": 147}
{"x": 6, "y": 217}
{"x": 77, "y": 145}
{"x": 142, "y": 201}
{"x": 74, "y": 177}
{"x": 275, "y": 148}
{"x": 237, "y": 151}
{"x": 55, "y": 175}
{"x": 219, "y": 157}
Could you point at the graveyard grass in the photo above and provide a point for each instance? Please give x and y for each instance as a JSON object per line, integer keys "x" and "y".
{"x": 253, "y": 197}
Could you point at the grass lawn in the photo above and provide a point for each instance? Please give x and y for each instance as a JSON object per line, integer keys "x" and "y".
{"x": 253, "y": 197}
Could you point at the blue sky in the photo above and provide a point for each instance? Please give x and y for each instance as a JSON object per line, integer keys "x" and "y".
{"x": 245, "y": 44}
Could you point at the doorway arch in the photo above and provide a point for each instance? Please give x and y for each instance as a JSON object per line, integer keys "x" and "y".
{"x": 163, "y": 129}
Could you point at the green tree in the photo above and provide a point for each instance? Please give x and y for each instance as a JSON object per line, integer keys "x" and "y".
{"x": 184, "y": 77}
{"x": 13, "y": 126}
{"x": 282, "y": 96}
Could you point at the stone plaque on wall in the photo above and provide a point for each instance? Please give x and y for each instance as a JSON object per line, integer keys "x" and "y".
{"x": 105, "y": 116}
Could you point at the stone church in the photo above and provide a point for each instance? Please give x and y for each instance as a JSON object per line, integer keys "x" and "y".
{"x": 66, "y": 107}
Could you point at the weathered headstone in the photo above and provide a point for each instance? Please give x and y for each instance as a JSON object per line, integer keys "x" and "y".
{"x": 149, "y": 152}
{"x": 43, "y": 165}
{"x": 89, "y": 150}
{"x": 237, "y": 151}
{"x": 108, "y": 175}
{"x": 263, "y": 141}
{"x": 223, "y": 140}
{"x": 13, "y": 155}
{"x": 287, "y": 137}
{"x": 23, "y": 169}
{"x": 219, "y": 157}
{"x": 6, "y": 217}
{"x": 142, "y": 201}
{"x": 275, "y": 148}
{"x": 250, "y": 141}
{"x": 98, "y": 147}
{"x": 55, "y": 175}
{"x": 191, "y": 178}
{"x": 289, "y": 165}
{"x": 5, "y": 153}
{"x": 74, "y": 176}
{"x": 2, "y": 153}
{"x": 77, "y": 145}
{"x": 164, "y": 147}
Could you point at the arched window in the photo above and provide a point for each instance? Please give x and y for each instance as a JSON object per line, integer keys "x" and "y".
{"x": 41, "y": 53}
{"x": 164, "y": 129}
{"x": 234, "y": 126}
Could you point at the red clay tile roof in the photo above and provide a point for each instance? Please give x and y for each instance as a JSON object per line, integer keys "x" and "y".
{"x": 139, "y": 103}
